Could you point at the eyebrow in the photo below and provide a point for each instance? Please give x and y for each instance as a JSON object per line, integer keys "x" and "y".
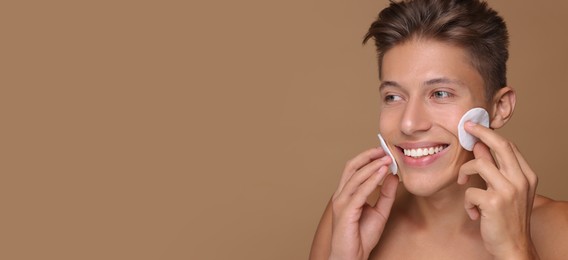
{"x": 385, "y": 84}
{"x": 443, "y": 81}
{"x": 430, "y": 82}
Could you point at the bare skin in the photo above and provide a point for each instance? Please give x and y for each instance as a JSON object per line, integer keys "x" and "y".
{"x": 404, "y": 238}
{"x": 453, "y": 204}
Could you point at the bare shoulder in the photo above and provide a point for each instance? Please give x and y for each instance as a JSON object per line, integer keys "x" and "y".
{"x": 549, "y": 227}
{"x": 321, "y": 244}
{"x": 548, "y": 212}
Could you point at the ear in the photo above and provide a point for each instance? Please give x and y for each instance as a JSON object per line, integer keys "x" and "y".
{"x": 503, "y": 105}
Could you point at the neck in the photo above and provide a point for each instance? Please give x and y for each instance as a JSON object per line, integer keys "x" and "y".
{"x": 444, "y": 211}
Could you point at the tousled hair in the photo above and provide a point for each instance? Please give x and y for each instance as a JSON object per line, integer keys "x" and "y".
{"x": 469, "y": 24}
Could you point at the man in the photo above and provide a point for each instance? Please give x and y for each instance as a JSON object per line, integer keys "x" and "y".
{"x": 437, "y": 60}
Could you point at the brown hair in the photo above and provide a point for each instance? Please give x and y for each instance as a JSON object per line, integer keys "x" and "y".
{"x": 469, "y": 24}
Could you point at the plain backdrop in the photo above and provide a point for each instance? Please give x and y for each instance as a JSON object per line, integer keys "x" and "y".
{"x": 214, "y": 129}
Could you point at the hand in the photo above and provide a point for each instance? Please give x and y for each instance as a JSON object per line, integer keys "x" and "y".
{"x": 505, "y": 206}
{"x": 357, "y": 225}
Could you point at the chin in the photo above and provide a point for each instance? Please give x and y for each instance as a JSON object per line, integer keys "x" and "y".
{"x": 425, "y": 184}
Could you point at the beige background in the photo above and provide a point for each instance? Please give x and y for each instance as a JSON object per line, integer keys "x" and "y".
{"x": 214, "y": 129}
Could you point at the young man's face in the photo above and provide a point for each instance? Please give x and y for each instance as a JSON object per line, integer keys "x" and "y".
{"x": 426, "y": 87}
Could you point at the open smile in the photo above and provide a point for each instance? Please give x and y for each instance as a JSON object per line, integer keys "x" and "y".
{"x": 423, "y": 151}
{"x": 422, "y": 156}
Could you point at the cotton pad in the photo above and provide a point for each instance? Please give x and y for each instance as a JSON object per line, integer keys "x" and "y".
{"x": 392, "y": 167}
{"x": 476, "y": 115}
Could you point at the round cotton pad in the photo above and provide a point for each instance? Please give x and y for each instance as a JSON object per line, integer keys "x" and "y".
{"x": 392, "y": 167}
{"x": 477, "y": 115}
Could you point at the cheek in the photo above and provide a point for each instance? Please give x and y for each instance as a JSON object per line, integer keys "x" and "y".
{"x": 388, "y": 121}
{"x": 445, "y": 116}
{"x": 448, "y": 118}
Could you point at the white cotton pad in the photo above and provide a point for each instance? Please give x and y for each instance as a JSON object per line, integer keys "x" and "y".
{"x": 392, "y": 167}
{"x": 477, "y": 115}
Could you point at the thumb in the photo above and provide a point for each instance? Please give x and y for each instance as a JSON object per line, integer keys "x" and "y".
{"x": 377, "y": 216}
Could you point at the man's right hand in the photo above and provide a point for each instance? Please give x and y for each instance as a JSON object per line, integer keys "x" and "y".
{"x": 357, "y": 225}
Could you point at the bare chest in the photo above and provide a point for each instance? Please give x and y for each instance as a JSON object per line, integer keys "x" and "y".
{"x": 421, "y": 246}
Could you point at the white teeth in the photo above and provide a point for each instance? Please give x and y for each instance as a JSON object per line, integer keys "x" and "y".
{"x": 419, "y": 152}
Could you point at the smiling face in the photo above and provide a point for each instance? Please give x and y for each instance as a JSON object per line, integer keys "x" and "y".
{"x": 426, "y": 87}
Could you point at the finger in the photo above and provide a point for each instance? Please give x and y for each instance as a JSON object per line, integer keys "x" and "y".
{"x": 480, "y": 151}
{"x": 473, "y": 202}
{"x": 359, "y": 161}
{"x": 359, "y": 197}
{"x": 362, "y": 175}
{"x": 486, "y": 169}
{"x": 504, "y": 154}
{"x": 529, "y": 173}
{"x": 388, "y": 193}
{"x": 377, "y": 218}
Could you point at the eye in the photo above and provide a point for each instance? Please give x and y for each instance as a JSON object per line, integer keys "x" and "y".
{"x": 442, "y": 94}
{"x": 392, "y": 98}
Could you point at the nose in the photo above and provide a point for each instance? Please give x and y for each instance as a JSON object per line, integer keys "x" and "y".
{"x": 415, "y": 118}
